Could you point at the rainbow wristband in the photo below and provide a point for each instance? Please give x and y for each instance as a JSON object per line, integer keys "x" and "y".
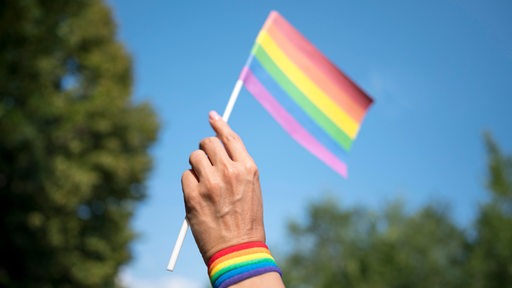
{"x": 240, "y": 262}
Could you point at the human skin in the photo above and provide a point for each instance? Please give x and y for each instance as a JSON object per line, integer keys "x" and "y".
{"x": 223, "y": 198}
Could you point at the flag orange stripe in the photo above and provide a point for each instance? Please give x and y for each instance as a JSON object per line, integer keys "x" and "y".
{"x": 309, "y": 59}
{"x": 315, "y": 73}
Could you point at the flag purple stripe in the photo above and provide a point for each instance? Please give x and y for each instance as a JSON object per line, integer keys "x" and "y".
{"x": 289, "y": 124}
{"x": 297, "y": 111}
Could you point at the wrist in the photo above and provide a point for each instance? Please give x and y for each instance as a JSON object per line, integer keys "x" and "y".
{"x": 240, "y": 262}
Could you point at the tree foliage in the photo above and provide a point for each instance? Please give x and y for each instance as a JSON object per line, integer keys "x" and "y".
{"x": 359, "y": 248}
{"x": 355, "y": 247}
{"x": 73, "y": 145}
{"x": 491, "y": 254}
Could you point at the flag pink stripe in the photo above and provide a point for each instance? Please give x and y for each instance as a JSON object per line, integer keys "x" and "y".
{"x": 253, "y": 85}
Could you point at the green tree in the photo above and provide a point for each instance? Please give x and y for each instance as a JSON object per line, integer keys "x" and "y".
{"x": 491, "y": 261}
{"x": 339, "y": 247}
{"x": 73, "y": 145}
{"x": 355, "y": 247}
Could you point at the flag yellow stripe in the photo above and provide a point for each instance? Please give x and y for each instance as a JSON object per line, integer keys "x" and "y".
{"x": 318, "y": 97}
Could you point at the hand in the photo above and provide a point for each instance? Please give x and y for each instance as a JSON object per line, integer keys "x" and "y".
{"x": 222, "y": 192}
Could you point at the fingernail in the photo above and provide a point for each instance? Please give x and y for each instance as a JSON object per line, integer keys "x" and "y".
{"x": 214, "y": 115}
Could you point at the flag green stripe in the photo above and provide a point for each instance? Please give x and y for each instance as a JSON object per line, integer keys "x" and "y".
{"x": 301, "y": 100}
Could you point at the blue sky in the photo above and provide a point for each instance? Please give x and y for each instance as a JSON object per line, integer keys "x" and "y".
{"x": 440, "y": 72}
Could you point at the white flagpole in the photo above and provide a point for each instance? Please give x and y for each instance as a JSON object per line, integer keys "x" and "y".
{"x": 184, "y": 226}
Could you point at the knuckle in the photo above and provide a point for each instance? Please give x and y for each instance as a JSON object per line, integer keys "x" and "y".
{"x": 250, "y": 168}
{"x": 207, "y": 142}
{"x": 232, "y": 137}
{"x": 230, "y": 171}
{"x": 213, "y": 185}
{"x": 185, "y": 176}
{"x": 195, "y": 155}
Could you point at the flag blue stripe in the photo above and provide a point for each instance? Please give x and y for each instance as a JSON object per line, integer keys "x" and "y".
{"x": 296, "y": 111}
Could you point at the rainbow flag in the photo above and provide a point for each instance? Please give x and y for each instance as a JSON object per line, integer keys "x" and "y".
{"x": 320, "y": 107}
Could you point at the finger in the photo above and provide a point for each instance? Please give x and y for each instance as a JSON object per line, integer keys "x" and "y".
{"x": 232, "y": 142}
{"x": 189, "y": 181}
{"x": 189, "y": 186}
{"x": 214, "y": 150}
{"x": 200, "y": 163}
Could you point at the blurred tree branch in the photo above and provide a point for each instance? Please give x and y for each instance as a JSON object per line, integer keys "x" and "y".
{"x": 73, "y": 145}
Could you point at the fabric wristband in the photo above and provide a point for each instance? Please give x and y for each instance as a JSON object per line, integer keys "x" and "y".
{"x": 240, "y": 262}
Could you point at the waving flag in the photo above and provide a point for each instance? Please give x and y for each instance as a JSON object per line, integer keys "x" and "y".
{"x": 320, "y": 107}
